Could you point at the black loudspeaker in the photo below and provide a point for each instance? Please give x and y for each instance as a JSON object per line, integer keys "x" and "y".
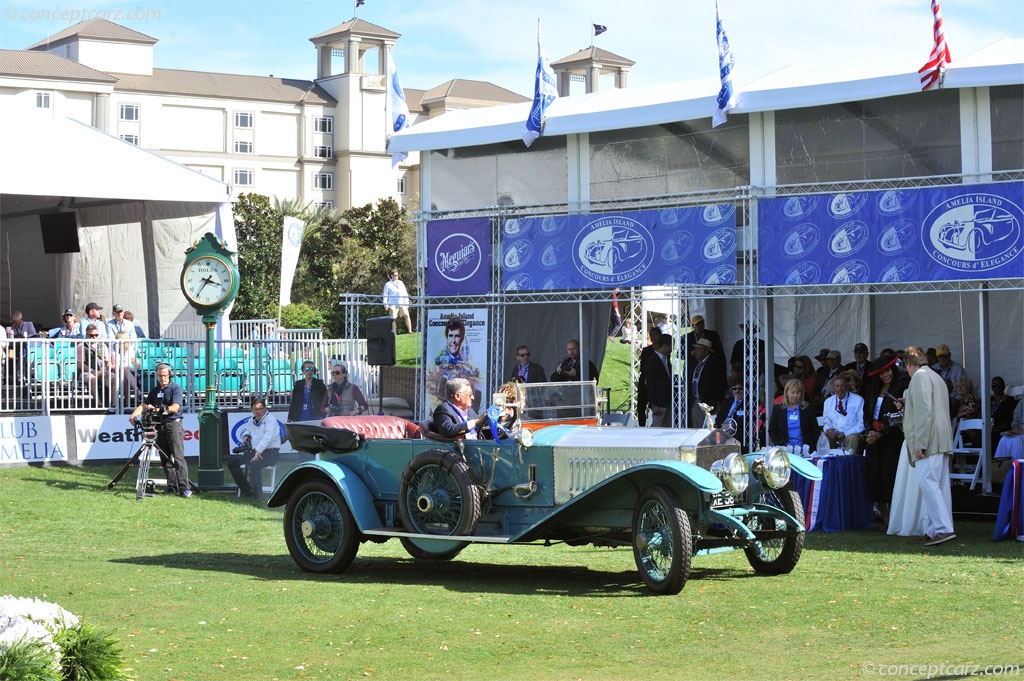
{"x": 380, "y": 342}
{"x": 60, "y": 232}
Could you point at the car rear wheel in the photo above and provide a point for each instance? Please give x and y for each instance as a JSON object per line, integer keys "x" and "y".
{"x": 319, "y": 529}
{"x": 779, "y": 555}
{"x": 662, "y": 545}
{"x": 438, "y": 496}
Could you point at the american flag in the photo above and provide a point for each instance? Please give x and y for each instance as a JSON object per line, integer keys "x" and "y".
{"x": 935, "y": 70}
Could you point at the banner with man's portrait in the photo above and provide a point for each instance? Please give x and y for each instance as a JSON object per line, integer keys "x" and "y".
{"x": 456, "y": 348}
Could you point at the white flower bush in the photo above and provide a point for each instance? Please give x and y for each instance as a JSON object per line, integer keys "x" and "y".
{"x": 32, "y": 620}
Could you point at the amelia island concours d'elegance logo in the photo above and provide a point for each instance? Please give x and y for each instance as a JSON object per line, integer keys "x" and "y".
{"x": 614, "y": 249}
{"x": 457, "y": 257}
{"x": 974, "y": 232}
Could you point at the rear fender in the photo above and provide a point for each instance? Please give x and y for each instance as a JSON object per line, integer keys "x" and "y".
{"x": 356, "y": 494}
{"x": 618, "y": 494}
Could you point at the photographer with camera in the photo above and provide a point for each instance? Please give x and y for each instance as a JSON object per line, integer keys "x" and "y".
{"x": 162, "y": 407}
{"x": 884, "y": 437}
{"x": 261, "y": 447}
{"x": 569, "y": 368}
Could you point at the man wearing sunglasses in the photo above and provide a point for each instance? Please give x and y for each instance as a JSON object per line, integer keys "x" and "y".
{"x": 96, "y": 367}
{"x": 526, "y": 371}
{"x": 308, "y": 395}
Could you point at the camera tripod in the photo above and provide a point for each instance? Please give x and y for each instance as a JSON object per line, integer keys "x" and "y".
{"x": 144, "y": 487}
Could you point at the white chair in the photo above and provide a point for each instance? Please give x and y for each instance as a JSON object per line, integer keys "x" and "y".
{"x": 273, "y": 479}
{"x": 961, "y": 467}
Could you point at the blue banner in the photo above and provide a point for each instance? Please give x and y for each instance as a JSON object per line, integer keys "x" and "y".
{"x": 459, "y": 254}
{"x": 694, "y": 245}
{"x": 900, "y": 235}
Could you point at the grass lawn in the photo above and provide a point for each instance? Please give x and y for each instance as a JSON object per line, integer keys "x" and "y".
{"x": 203, "y": 588}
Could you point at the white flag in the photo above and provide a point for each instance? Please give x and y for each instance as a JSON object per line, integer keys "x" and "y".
{"x": 545, "y": 91}
{"x": 291, "y": 244}
{"x": 397, "y": 108}
{"x": 727, "y": 98}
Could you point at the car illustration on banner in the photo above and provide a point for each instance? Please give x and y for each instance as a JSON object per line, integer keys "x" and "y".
{"x": 975, "y": 233}
{"x": 985, "y": 227}
{"x": 613, "y": 249}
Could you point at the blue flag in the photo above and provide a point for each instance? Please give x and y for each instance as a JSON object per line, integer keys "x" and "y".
{"x": 599, "y": 29}
{"x": 397, "y": 108}
{"x": 726, "y": 97}
{"x": 545, "y": 91}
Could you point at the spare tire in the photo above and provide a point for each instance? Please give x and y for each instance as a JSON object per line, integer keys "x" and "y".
{"x": 438, "y": 496}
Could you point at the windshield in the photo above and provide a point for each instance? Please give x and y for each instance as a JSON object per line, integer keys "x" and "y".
{"x": 553, "y": 402}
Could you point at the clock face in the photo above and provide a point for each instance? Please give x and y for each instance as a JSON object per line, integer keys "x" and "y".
{"x": 207, "y": 281}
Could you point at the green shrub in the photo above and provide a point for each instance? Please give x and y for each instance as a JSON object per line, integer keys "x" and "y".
{"x": 88, "y": 654}
{"x": 26, "y": 660}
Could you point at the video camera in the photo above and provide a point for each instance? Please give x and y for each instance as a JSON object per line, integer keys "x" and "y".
{"x": 149, "y": 419}
{"x": 895, "y": 418}
{"x": 244, "y": 449}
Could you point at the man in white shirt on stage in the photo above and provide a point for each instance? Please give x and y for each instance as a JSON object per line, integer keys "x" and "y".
{"x": 396, "y": 300}
{"x": 843, "y": 416}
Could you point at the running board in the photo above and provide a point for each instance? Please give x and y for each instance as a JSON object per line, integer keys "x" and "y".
{"x": 477, "y": 539}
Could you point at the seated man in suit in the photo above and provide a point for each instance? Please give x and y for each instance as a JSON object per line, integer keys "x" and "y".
{"x": 454, "y": 418}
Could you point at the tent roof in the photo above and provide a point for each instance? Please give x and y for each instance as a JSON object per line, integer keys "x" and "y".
{"x": 64, "y": 159}
{"x": 797, "y": 86}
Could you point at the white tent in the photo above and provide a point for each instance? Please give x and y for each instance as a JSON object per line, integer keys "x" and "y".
{"x": 136, "y": 212}
{"x": 797, "y": 86}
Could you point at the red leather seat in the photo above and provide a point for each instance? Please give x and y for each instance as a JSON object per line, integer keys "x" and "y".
{"x": 378, "y": 427}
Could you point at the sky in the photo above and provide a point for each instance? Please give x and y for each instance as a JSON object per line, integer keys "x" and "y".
{"x": 496, "y": 40}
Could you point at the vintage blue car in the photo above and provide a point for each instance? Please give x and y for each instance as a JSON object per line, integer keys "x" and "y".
{"x": 553, "y": 475}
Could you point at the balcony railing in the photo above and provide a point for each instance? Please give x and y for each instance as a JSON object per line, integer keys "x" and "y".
{"x": 42, "y": 376}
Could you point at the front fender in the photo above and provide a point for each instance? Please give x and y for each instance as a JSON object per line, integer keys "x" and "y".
{"x": 617, "y": 495}
{"x": 796, "y": 462}
{"x": 804, "y": 467}
{"x": 356, "y": 494}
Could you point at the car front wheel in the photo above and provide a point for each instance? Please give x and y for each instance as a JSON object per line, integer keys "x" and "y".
{"x": 662, "y": 545}
{"x": 777, "y": 555}
{"x": 319, "y": 529}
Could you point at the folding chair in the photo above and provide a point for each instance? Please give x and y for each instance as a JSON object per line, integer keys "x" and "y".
{"x": 960, "y": 466}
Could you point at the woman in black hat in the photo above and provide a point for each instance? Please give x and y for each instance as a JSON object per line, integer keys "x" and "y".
{"x": 882, "y": 399}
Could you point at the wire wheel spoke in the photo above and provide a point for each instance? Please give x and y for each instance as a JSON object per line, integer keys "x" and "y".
{"x": 434, "y": 500}
{"x": 319, "y": 523}
{"x": 657, "y": 552}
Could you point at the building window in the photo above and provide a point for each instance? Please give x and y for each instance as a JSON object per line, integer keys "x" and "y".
{"x": 324, "y": 124}
{"x": 129, "y": 112}
{"x": 323, "y": 152}
{"x": 325, "y": 204}
{"x": 243, "y": 147}
{"x": 130, "y": 139}
{"x": 243, "y": 178}
{"x": 323, "y": 181}
{"x": 401, "y": 186}
{"x": 243, "y": 119}
{"x": 42, "y": 100}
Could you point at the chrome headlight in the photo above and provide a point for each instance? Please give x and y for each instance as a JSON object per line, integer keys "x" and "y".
{"x": 773, "y": 468}
{"x": 734, "y": 472}
{"x": 526, "y": 437}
